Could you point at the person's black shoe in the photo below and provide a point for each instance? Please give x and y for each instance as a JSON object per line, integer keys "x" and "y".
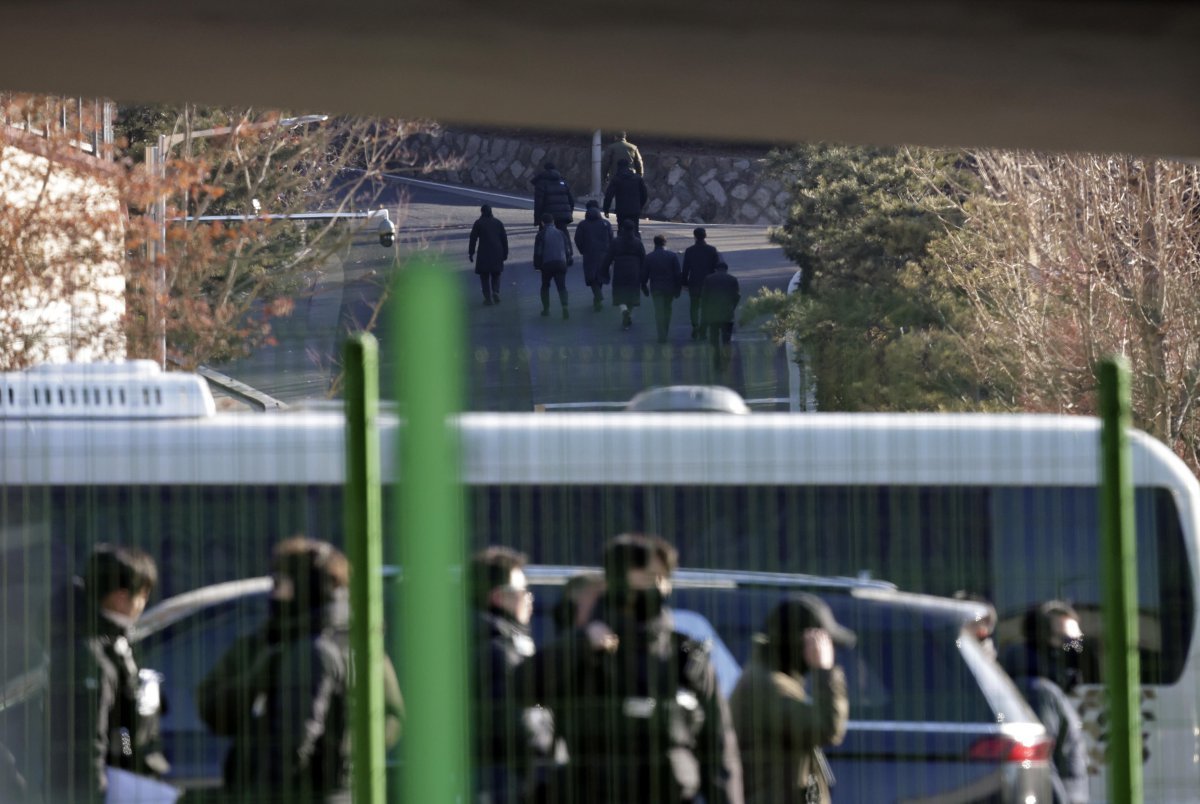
{"x": 566, "y": 314}
{"x": 545, "y": 312}
{"x": 597, "y": 305}
{"x": 495, "y": 298}
{"x": 487, "y": 302}
{"x": 626, "y": 320}
{"x": 695, "y": 333}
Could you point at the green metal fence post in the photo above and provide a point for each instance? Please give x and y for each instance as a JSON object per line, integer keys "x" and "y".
{"x": 1119, "y": 568}
{"x": 427, "y": 343}
{"x": 364, "y": 542}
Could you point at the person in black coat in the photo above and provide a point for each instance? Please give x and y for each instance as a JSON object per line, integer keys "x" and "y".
{"x": 101, "y": 716}
{"x": 283, "y": 693}
{"x": 593, "y": 236}
{"x": 628, "y": 190}
{"x": 662, "y": 280}
{"x": 699, "y": 261}
{"x": 491, "y": 241}
{"x": 552, "y": 194}
{"x": 625, "y": 256}
{"x": 719, "y": 297}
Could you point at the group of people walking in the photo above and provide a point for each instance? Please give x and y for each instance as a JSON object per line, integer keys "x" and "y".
{"x": 618, "y": 259}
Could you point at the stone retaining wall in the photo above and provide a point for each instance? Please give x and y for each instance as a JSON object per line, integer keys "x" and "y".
{"x": 689, "y": 188}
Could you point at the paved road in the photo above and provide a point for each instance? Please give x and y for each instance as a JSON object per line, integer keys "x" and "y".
{"x": 518, "y": 360}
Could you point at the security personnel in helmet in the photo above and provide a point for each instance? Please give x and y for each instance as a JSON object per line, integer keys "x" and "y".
{"x": 1044, "y": 666}
{"x": 640, "y": 712}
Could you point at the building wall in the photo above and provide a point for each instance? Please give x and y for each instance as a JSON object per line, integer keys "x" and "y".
{"x": 683, "y": 187}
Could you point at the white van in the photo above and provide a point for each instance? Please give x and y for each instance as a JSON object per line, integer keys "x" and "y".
{"x": 1003, "y": 506}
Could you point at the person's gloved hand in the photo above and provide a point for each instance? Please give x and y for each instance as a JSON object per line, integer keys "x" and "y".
{"x": 470, "y": 258}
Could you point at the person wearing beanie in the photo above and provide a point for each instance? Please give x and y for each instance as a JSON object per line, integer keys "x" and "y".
{"x": 593, "y": 236}
{"x": 699, "y": 261}
{"x": 490, "y": 241}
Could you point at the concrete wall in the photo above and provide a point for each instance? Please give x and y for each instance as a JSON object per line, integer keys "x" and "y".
{"x": 686, "y": 187}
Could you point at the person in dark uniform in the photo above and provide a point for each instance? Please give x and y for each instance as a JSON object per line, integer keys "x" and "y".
{"x": 509, "y": 737}
{"x": 551, "y": 255}
{"x": 641, "y": 715}
{"x": 662, "y": 280}
{"x": 552, "y": 194}
{"x": 282, "y": 693}
{"x": 102, "y": 716}
{"x": 628, "y": 190}
{"x": 719, "y": 297}
{"x": 593, "y": 236}
{"x": 491, "y": 241}
{"x": 789, "y": 702}
{"x": 1043, "y": 666}
{"x": 625, "y": 257}
{"x": 699, "y": 261}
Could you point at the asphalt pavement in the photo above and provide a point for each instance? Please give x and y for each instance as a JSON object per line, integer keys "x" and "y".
{"x": 517, "y": 360}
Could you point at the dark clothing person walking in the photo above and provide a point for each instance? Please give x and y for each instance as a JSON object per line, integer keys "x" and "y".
{"x": 552, "y": 194}
{"x": 641, "y": 714}
{"x": 1041, "y": 667}
{"x": 102, "y": 716}
{"x": 510, "y": 737}
{"x": 789, "y": 702}
{"x": 625, "y": 256}
{"x": 629, "y": 192}
{"x": 282, "y": 694}
{"x": 617, "y": 150}
{"x": 593, "y": 236}
{"x": 699, "y": 261}
{"x": 551, "y": 255}
{"x": 719, "y": 297}
{"x": 490, "y": 241}
{"x": 662, "y": 278}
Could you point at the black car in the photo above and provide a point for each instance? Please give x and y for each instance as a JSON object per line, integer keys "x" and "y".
{"x": 932, "y": 715}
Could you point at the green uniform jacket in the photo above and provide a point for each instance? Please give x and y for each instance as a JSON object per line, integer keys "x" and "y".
{"x": 614, "y": 152}
{"x": 780, "y": 728}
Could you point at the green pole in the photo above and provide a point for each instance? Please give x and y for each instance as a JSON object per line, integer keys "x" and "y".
{"x": 1119, "y": 572}
{"x": 364, "y": 541}
{"x": 427, "y": 333}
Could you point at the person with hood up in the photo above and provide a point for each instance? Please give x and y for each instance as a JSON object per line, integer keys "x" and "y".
{"x": 1044, "y": 666}
{"x": 628, "y": 190}
{"x": 551, "y": 255}
{"x": 509, "y": 736}
{"x": 282, "y": 693}
{"x": 552, "y": 194}
{"x": 699, "y": 261}
{"x": 102, "y": 712}
{"x": 489, "y": 238}
{"x": 620, "y": 148}
{"x": 593, "y": 236}
{"x": 641, "y": 714}
{"x": 789, "y": 702}
{"x": 625, "y": 257}
{"x": 662, "y": 281}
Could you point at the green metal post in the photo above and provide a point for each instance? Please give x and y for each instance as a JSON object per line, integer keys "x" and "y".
{"x": 427, "y": 344}
{"x": 1119, "y": 568}
{"x": 364, "y": 541}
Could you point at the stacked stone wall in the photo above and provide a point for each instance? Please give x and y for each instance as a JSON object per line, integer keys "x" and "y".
{"x": 689, "y": 188}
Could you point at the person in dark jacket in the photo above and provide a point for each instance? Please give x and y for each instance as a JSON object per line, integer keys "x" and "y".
{"x": 789, "y": 702}
{"x": 699, "y": 261}
{"x": 593, "y": 236}
{"x": 719, "y": 297}
{"x": 551, "y": 255}
{"x": 102, "y": 716}
{"x": 662, "y": 281}
{"x": 491, "y": 241}
{"x": 509, "y": 737}
{"x": 552, "y": 194}
{"x": 1043, "y": 666}
{"x": 641, "y": 714}
{"x": 628, "y": 190}
{"x": 282, "y": 693}
{"x": 621, "y": 148}
{"x": 625, "y": 256}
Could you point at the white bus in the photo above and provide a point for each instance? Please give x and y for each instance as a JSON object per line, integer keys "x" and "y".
{"x": 1003, "y": 506}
